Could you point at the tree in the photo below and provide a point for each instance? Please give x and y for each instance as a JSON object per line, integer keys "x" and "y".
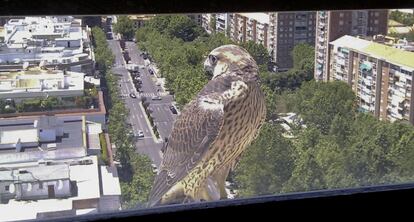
{"x": 178, "y": 26}
{"x": 319, "y": 103}
{"x": 307, "y": 174}
{"x": 258, "y": 52}
{"x": 401, "y": 17}
{"x": 188, "y": 83}
{"x": 136, "y": 192}
{"x": 300, "y": 52}
{"x": 212, "y": 23}
{"x": 135, "y": 173}
{"x": 124, "y": 26}
{"x": 266, "y": 165}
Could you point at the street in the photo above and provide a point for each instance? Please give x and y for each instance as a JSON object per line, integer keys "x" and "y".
{"x": 145, "y": 145}
{"x": 160, "y": 109}
{"x": 163, "y": 117}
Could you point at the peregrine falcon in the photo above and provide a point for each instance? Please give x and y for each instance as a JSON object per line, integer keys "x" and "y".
{"x": 212, "y": 131}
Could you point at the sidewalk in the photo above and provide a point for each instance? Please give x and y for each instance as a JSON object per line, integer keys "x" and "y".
{"x": 157, "y": 77}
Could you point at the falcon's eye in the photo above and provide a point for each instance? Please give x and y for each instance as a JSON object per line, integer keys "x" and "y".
{"x": 213, "y": 59}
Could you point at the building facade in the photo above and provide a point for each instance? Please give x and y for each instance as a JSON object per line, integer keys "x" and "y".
{"x": 381, "y": 76}
{"x": 206, "y": 22}
{"x": 279, "y": 32}
{"x": 331, "y": 25}
{"x": 197, "y": 18}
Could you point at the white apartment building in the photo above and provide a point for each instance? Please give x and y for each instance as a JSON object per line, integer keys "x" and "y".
{"x": 206, "y": 21}
{"x": 59, "y": 40}
{"x": 381, "y": 76}
{"x": 222, "y": 23}
{"x": 331, "y": 25}
{"x": 49, "y": 168}
{"x": 40, "y": 83}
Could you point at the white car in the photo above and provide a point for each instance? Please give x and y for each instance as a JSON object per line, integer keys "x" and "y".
{"x": 154, "y": 168}
{"x": 140, "y": 133}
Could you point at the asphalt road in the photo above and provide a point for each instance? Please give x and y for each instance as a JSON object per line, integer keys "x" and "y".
{"x": 145, "y": 145}
{"x": 161, "y": 113}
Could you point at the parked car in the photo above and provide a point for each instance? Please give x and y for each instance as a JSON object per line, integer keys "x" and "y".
{"x": 132, "y": 95}
{"x": 156, "y": 98}
{"x": 154, "y": 168}
{"x": 173, "y": 110}
{"x": 140, "y": 133}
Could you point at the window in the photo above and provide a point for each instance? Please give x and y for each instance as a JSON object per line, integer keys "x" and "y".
{"x": 7, "y": 188}
{"x": 341, "y": 22}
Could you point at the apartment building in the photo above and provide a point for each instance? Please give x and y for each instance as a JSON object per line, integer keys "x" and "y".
{"x": 221, "y": 21}
{"x": 381, "y": 76}
{"x": 207, "y": 21}
{"x": 49, "y": 167}
{"x": 279, "y": 32}
{"x": 197, "y": 18}
{"x": 57, "y": 41}
{"x": 334, "y": 24}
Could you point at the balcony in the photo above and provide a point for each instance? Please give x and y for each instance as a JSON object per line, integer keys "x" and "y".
{"x": 320, "y": 39}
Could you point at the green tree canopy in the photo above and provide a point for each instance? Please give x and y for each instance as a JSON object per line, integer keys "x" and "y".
{"x": 124, "y": 26}
{"x": 319, "y": 103}
{"x": 266, "y": 164}
{"x": 258, "y": 52}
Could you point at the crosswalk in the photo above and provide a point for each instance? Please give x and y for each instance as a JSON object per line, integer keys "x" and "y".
{"x": 149, "y": 94}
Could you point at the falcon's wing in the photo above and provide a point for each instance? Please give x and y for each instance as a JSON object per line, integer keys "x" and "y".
{"x": 193, "y": 133}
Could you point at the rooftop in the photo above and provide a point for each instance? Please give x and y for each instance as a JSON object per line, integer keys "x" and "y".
{"x": 87, "y": 182}
{"x": 68, "y": 145}
{"x": 377, "y": 50}
{"x": 262, "y": 18}
{"x": 110, "y": 181}
{"x": 39, "y": 80}
{"x": 38, "y": 173}
{"x": 12, "y": 136}
{"x": 141, "y": 17}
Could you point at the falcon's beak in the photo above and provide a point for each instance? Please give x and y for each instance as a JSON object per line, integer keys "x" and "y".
{"x": 208, "y": 68}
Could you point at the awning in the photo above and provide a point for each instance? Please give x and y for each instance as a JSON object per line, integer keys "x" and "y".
{"x": 365, "y": 66}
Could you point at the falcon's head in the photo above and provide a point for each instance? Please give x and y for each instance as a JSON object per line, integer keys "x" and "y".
{"x": 231, "y": 60}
